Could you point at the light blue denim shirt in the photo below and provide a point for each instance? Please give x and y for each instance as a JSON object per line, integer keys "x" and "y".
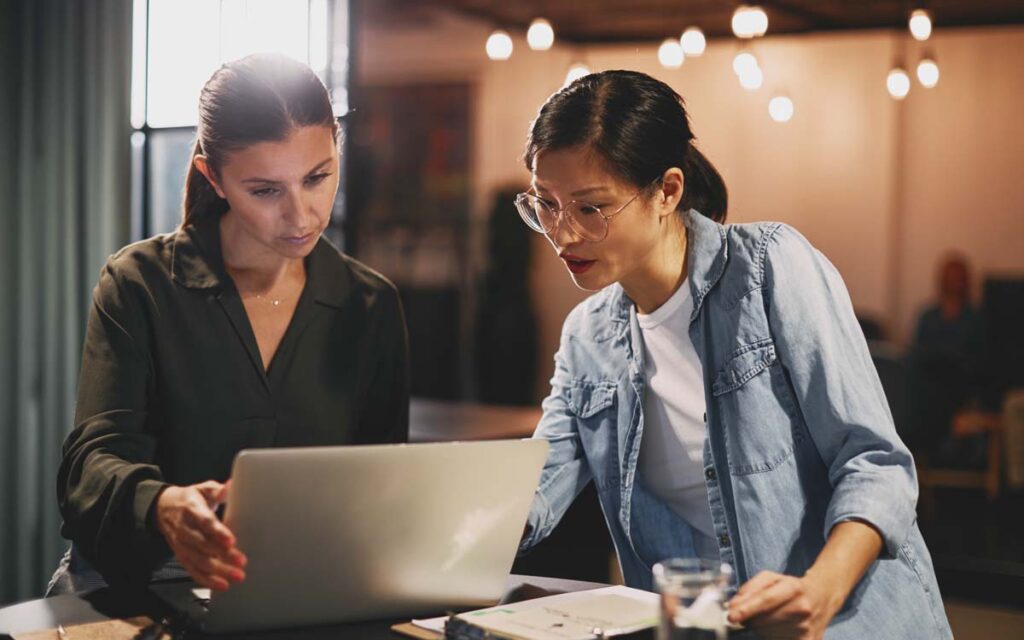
{"x": 799, "y": 435}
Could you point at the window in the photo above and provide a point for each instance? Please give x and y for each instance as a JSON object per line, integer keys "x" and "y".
{"x": 177, "y": 45}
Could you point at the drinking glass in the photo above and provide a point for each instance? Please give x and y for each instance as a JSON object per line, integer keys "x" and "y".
{"x": 693, "y": 594}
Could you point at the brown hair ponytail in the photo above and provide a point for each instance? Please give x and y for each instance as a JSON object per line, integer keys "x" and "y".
{"x": 259, "y": 98}
{"x": 201, "y": 200}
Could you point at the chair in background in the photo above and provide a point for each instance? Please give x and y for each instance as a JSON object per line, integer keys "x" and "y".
{"x": 967, "y": 424}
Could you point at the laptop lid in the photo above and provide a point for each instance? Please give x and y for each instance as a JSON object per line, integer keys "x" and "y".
{"x": 336, "y": 534}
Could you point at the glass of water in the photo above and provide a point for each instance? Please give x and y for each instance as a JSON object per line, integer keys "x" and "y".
{"x": 693, "y": 594}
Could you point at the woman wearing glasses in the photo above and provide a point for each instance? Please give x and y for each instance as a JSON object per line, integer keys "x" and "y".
{"x": 716, "y": 388}
{"x": 244, "y": 328}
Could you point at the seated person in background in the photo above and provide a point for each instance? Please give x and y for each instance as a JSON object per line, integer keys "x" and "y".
{"x": 943, "y": 368}
{"x": 244, "y": 328}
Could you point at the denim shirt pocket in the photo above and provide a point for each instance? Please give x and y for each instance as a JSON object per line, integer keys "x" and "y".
{"x": 587, "y": 398}
{"x": 745, "y": 363}
{"x": 750, "y": 395}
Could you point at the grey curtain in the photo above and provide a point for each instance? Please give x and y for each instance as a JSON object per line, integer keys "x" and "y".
{"x": 64, "y": 197}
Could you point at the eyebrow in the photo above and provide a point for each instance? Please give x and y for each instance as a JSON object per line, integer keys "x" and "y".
{"x": 580, "y": 192}
{"x": 269, "y": 181}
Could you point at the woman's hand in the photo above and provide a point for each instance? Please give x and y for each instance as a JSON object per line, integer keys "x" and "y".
{"x": 199, "y": 540}
{"x": 780, "y": 606}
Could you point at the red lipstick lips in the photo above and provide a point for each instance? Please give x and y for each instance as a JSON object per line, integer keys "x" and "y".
{"x": 576, "y": 264}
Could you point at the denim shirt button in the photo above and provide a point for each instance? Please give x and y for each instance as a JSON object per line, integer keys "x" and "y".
{"x": 710, "y": 474}
{"x": 724, "y": 541}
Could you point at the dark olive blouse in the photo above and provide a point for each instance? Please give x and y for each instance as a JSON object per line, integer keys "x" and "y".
{"x": 172, "y": 385}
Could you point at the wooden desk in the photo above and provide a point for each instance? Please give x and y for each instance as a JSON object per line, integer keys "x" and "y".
{"x": 105, "y": 604}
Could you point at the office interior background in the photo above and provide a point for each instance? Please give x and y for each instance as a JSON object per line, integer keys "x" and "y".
{"x": 896, "y": 155}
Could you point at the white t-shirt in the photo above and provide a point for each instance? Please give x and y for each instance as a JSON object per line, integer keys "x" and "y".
{"x": 672, "y": 448}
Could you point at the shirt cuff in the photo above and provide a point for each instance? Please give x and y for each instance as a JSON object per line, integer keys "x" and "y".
{"x": 875, "y": 502}
{"x": 536, "y": 522}
{"x": 146, "y": 494}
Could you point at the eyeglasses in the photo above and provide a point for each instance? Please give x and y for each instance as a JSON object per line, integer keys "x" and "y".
{"x": 586, "y": 220}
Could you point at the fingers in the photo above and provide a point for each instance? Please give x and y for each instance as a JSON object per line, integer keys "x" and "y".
{"x": 211, "y": 491}
{"x": 222, "y": 495}
{"x": 765, "y": 599}
{"x": 206, "y": 562}
{"x": 203, "y": 544}
{"x": 760, "y": 581}
{"x": 204, "y": 578}
{"x": 794, "y": 615}
{"x": 196, "y": 542}
{"x": 201, "y": 517}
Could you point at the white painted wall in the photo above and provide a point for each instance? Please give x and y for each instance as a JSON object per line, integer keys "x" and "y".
{"x": 883, "y": 188}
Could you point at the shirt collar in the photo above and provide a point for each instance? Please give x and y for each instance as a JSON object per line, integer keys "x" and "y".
{"x": 196, "y": 260}
{"x": 197, "y": 263}
{"x": 707, "y": 253}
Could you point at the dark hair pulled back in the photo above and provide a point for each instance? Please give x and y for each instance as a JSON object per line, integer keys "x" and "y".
{"x": 258, "y": 98}
{"x": 639, "y": 128}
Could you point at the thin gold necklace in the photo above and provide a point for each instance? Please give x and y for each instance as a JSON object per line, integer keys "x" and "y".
{"x": 273, "y": 301}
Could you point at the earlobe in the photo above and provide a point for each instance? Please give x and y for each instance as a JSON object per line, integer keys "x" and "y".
{"x": 673, "y": 184}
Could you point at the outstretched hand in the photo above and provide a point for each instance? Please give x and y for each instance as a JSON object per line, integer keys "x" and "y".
{"x": 203, "y": 545}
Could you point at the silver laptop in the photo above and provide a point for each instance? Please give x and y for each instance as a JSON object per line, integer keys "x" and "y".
{"x": 338, "y": 534}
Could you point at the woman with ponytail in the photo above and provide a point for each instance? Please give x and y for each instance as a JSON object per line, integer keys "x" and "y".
{"x": 716, "y": 388}
{"x": 244, "y": 328}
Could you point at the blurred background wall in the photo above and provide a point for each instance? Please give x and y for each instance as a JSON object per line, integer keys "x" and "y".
{"x": 883, "y": 188}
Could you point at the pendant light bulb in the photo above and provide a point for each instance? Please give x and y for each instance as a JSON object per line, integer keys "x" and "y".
{"x": 670, "y": 54}
{"x": 920, "y": 24}
{"x": 499, "y": 45}
{"x": 540, "y": 36}
{"x": 898, "y": 83}
{"x": 693, "y": 42}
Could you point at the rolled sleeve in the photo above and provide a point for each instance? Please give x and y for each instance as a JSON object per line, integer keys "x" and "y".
{"x": 823, "y": 350}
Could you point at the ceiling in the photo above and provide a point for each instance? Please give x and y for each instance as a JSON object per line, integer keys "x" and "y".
{"x": 594, "y": 21}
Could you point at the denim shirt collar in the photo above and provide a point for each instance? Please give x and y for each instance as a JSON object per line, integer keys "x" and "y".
{"x": 707, "y": 253}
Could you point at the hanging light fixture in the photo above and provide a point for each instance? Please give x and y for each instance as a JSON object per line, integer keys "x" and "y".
{"x": 780, "y": 108}
{"x": 743, "y": 62}
{"x": 928, "y": 72}
{"x": 693, "y": 42}
{"x": 920, "y": 24}
{"x": 898, "y": 83}
{"x": 540, "y": 35}
{"x": 749, "y": 21}
{"x": 576, "y": 71}
{"x": 670, "y": 54}
{"x": 752, "y": 79}
{"x": 499, "y": 45}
